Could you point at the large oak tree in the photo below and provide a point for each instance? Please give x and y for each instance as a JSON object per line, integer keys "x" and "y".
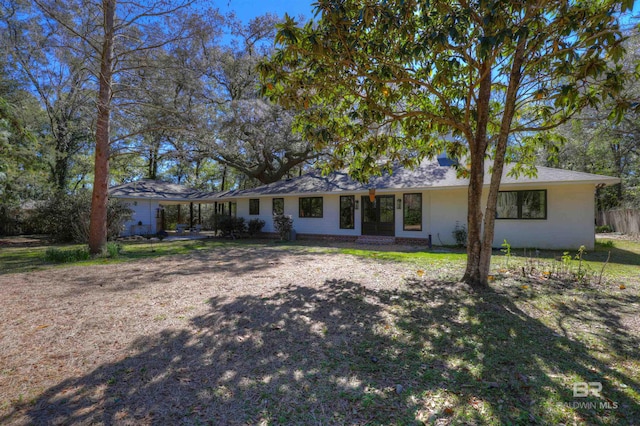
{"x": 244, "y": 130}
{"x": 401, "y": 80}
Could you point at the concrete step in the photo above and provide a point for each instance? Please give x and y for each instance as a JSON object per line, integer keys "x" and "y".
{"x": 375, "y": 240}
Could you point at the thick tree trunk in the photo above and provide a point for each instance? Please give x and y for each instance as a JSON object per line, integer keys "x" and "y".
{"x": 474, "y": 225}
{"x": 98, "y": 218}
{"x": 483, "y": 255}
{"x": 478, "y": 147}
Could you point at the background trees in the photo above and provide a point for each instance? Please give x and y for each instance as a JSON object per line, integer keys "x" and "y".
{"x": 391, "y": 80}
{"x": 244, "y": 130}
{"x": 599, "y": 141}
{"x": 179, "y": 84}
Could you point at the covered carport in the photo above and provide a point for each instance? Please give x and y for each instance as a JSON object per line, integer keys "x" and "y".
{"x": 148, "y": 199}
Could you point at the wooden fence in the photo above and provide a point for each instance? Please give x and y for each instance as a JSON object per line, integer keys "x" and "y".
{"x": 626, "y": 221}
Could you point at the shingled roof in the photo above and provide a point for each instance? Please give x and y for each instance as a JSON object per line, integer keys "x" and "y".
{"x": 430, "y": 175}
{"x": 157, "y": 190}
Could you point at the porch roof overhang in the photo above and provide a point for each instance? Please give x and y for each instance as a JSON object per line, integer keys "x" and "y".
{"x": 166, "y": 193}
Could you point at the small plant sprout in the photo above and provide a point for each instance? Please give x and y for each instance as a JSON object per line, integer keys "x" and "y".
{"x": 580, "y": 274}
{"x": 506, "y": 249}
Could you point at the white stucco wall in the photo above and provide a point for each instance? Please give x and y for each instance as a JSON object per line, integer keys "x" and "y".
{"x": 569, "y": 223}
{"x": 143, "y": 211}
{"x": 329, "y": 224}
{"x": 445, "y": 208}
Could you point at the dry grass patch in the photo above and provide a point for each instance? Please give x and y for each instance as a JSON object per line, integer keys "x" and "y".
{"x": 270, "y": 335}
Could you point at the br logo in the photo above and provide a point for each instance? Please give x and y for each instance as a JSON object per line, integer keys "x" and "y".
{"x": 584, "y": 389}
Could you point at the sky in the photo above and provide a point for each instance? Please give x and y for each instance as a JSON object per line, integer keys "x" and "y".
{"x": 247, "y": 9}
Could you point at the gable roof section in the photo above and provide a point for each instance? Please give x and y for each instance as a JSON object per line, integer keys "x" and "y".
{"x": 430, "y": 175}
{"x": 157, "y": 190}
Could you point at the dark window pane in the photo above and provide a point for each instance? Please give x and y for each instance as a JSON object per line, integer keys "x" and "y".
{"x": 533, "y": 204}
{"x": 278, "y": 206}
{"x": 386, "y": 209}
{"x": 522, "y": 205}
{"x": 369, "y": 209}
{"x": 310, "y": 207}
{"x": 507, "y": 207}
{"x": 254, "y": 206}
{"x": 347, "y": 216}
{"x": 412, "y": 212}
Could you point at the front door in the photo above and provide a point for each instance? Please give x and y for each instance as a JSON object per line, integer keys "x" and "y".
{"x": 378, "y": 217}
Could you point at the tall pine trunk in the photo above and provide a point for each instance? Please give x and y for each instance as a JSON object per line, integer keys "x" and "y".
{"x": 99, "y": 198}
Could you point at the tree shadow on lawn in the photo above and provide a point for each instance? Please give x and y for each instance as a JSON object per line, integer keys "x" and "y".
{"x": 237, "y": 262}
{"x": 347, "y": 354}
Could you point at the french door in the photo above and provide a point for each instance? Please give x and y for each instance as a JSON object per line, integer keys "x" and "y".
{"x": 378, "y": 217}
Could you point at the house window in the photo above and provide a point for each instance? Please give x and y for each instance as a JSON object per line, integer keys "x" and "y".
{"x": 522, "y": 205}
{"x": 412, "y": 214}
{"x": 233, "y": 209}
{"x": 254, "y": 206}
{"x": 310, "y": 207}
{"x": 347, "y": 216}
{"x": 278, "y": 206}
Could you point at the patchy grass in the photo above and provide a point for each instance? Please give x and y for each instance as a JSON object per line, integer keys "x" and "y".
{"x": 622, "y": 258}
{"x": 33, "y": 258}
{"x": 289, "y": 334}
{"x": 624, "y": 255}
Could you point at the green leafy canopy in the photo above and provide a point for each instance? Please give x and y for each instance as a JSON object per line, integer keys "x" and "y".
{"x": 401, "y": 79}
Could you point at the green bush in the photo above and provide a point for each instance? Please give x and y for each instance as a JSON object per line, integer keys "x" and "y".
{"x": 603, "y": 229}
{"x": 65, "y": 217}
{"x": 214, "y": 221}
{"x": 231, "y": 226}
{"x": 9, "y": 223}
{"x": 114, "y": 250}
{"x": 255, "y": 226}
{"x": 66, "y": 256}
{"x": 460, "y": 234}
{"x": 283, "y": 226}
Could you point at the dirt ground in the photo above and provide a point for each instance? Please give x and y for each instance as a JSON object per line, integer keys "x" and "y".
{"x": 140, "y": 342}
{"x": 239, "y": 335}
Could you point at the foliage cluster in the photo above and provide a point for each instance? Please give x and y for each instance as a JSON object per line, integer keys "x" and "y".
{"x": 57, "y": 255}
{"x": 283, "y": 224}
{"x": 65, "y": 217}
{"x": 604, "y": 229}
{"x": 61, "y": 255}
{"x": 255, "y": 226}
{"x": 230, "y": 226}
{"x": 460, "y": 234}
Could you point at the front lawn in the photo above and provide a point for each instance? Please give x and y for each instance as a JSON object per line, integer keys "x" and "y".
{"x": 270, "y": 333}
